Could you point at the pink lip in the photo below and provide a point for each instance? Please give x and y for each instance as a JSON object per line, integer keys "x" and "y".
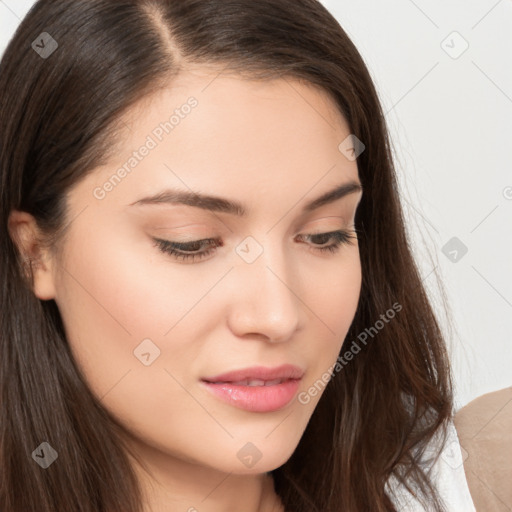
{"x": 256, "y": 398}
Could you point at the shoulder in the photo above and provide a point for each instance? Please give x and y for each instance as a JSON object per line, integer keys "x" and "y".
{"x": 484, "y": 427}
{"x": 447, "y": 474}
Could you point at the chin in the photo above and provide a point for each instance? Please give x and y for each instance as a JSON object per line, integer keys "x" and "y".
{"x": 257, "y": 456}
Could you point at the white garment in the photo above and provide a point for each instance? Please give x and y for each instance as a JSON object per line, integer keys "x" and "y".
{"x": 448, "y": 476}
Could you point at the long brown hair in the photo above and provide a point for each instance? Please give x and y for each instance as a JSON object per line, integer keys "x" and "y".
{"x": 58, "y": 119}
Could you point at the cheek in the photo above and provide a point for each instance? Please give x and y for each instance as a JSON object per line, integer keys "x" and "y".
{"x": 333, "y": 295}
{"x": 332, "y": 292}
{"x": 344, "y": 292}
{"x": 112, "y": 295}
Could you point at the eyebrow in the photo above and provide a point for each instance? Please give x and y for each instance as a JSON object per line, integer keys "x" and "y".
{"x": 222, "y": 205}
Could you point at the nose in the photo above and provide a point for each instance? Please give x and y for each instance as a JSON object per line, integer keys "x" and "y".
{"x": 266, "y": 301}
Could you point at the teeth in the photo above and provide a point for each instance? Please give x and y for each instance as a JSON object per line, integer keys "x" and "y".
{"x": 257, "y": 382}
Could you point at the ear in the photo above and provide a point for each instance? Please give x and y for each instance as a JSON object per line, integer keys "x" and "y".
{"x": 26, "y": 236}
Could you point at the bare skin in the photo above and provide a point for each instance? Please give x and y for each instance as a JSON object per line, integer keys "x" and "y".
{"x": 272, "y": 146}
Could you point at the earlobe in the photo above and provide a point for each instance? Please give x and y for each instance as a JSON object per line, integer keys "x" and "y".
{"x": 26, "y": 236}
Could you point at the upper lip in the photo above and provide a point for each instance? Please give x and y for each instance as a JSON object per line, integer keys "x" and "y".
{"x": 285, "y": 371}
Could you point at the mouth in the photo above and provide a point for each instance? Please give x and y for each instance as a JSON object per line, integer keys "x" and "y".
{"x": 257, "y": 389}
{"x": 259, "y": 374}
{"x": 250, "y": 382}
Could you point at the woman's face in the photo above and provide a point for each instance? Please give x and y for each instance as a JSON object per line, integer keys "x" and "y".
{"x": 146, "y": 326}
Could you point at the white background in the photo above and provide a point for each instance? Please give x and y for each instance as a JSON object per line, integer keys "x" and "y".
{"x": 450, "y": 119}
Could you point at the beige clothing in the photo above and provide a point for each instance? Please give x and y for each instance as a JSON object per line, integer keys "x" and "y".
{"x": 484, "y": 427}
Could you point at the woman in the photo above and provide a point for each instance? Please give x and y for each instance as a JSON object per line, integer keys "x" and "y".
{"x": 209, "y": 302}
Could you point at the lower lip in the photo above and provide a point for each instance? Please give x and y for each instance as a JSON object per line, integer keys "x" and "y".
{"x": 255, "y": 398}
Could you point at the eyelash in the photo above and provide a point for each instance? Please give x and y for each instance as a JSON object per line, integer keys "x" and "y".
{"x": 341, "y": 237}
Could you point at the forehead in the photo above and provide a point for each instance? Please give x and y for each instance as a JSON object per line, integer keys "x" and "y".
{"x": 227, "y": 104}
{"x": 222, "y": 133}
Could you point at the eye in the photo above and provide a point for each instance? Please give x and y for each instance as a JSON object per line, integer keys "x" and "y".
{"x": 340, "y": 237}
{"x": 200, "y": 249}
{"x": 188, "y": 251}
